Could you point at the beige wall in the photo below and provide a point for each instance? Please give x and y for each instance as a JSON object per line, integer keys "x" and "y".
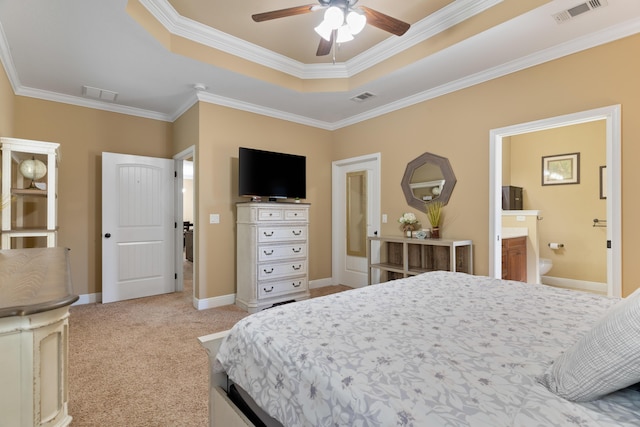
{"x": 187, "y": 200}
{"x": 457, "y": 126}
{"x": 568, "y": 210}
{"x": 222, "y": 131}
{"x": 83, "y": 135}
{"x": 6, "y": 105}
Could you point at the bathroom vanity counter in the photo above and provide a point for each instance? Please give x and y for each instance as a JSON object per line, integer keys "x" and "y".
{"x": 514, "y": 232}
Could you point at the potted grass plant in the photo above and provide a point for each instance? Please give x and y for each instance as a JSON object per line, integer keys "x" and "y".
{"x": 434, "y": 215}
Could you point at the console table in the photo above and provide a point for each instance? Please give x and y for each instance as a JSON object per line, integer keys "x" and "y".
{"x": 35, "y": 295}
{"x": 403, "y": 256}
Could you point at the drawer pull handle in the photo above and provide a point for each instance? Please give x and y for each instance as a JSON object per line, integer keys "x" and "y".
{"x": 297, "y": 268}
{"x": 267, "y": 290}
{"x": 296, "y": 233}
{"x": 268, "y": 272}
{"x": 268, "y": 253}
{"x": 268, "y": 234}
{"x": 297, "y": 251}
{"x": 296, "y": 286}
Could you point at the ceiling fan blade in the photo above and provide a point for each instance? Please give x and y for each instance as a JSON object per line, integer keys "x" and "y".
{"x": 324, "y": 48}
{"x": 385, "y": 22}
{"x": 282, "y": 13}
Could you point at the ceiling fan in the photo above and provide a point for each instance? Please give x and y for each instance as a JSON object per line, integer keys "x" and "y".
{"x": 341, "y": 21}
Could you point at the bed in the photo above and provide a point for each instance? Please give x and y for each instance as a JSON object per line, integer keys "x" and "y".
{"x": 437, "y": 349}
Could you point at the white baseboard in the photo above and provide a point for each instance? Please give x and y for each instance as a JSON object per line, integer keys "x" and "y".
{"x": 579, "y": 285}
{"x": 89, "y": 299}
{"x": 203, "y": 304}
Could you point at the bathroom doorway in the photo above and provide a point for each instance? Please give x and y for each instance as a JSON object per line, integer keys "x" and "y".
{"x": 185, "y": 262}
{"x": 611, "y": 181}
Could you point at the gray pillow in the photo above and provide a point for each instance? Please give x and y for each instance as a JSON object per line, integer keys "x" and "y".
{"x": 605, "y": 359}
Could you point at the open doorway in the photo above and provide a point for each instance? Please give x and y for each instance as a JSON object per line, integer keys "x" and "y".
{"x": 612, "y": 178}
{"x": 186, "y": 224}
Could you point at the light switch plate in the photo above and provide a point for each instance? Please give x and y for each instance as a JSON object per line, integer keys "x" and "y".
{"x": 214, "y": 218}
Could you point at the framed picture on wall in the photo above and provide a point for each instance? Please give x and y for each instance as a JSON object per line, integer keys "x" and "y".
{"x": 603, "y": 182}
{"x": 561, "y": 169}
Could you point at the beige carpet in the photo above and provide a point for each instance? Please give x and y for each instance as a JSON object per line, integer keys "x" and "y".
{"x": 139, "y": 363}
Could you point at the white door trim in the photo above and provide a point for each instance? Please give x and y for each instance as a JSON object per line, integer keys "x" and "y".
{"x": 336, "y": 215}
{"x": 188, "y": 153}
{"x": 612, "y": 115}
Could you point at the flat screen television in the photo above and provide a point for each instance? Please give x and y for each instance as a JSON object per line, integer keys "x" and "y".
{"x": 267, "y": 174}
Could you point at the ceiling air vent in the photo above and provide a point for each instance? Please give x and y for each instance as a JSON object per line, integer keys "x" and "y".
{"x": 575, "y": 11}
{"x": 362, "y": 97}
{"x": 102, "y": 94}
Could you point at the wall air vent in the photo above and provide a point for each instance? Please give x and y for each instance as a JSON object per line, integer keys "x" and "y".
{"x": 362, "y": 97}
{"x": 101, "y": 94}
{"x": 575, "y": 11}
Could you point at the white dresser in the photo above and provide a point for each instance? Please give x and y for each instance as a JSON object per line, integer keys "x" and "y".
{"x": 272, "y": 254}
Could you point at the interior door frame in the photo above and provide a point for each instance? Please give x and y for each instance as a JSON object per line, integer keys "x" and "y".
{"x": 338, "y": 215}
{"x": 612, "y": 116}
{"x": 188, "y": 153}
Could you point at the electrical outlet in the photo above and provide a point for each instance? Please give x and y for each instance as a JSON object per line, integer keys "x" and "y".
{"x": 384, "y": 218}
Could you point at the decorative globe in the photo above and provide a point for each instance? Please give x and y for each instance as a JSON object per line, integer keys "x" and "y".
{"x": 435, "y": 191}
{"x": 32, "y": 169}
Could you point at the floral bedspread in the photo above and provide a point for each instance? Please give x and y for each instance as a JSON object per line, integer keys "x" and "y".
{"x": 439, "y": 349}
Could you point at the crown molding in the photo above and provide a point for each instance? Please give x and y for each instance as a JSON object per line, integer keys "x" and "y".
{"x": 89, "y": 103}
{"x": 616, "y": 32}
{"x": 439, "y": 21}
{"x": 257, "y": 109}
{"x": 608, "y": 35}
{"x": 7, "y": 61}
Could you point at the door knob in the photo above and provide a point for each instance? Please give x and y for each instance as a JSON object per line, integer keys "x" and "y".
{"x": 107, "y": 235}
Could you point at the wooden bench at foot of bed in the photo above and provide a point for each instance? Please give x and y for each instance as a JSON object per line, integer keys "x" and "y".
{"x": 222, "y": 411}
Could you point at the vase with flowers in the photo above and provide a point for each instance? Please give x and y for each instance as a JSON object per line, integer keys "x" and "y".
{"x": 408, "y": 222}
{"x": 434, "y": 214}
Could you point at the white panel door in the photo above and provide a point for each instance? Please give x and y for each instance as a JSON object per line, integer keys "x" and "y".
{"x": 137, "y": 226}
{"x": 352, "y": 270}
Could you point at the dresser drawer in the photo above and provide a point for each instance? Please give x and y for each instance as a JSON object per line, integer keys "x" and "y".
{"x": 271, "y": 289}
{"x": 270, "y": 214}
{"x": 268, "y": 253}
{"x": 275, "y": 270}
{"x": 296, "y": 214}
{"x": 279, "y": 234}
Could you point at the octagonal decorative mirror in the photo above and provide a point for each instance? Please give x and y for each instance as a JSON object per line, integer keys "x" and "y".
{"x": 428, "y": 178}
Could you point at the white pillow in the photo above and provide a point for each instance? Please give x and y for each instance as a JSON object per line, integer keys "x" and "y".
{"x": 605, "y": 359}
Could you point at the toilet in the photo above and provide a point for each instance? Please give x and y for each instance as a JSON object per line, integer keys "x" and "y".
{"x": 545, "y": 265}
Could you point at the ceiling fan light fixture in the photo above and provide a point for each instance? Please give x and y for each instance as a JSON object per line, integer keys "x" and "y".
{"x": 334, "y": 17}
{"x": 356, "y": 22}
{"x": 344, "y": 34}
{"x": 324, "y": 31}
